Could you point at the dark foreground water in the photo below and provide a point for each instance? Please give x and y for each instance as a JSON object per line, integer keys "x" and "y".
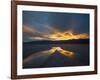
{"x": 38, "y": 56}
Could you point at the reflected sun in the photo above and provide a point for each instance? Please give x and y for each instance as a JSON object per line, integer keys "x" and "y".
{"x": 61, "y": 51}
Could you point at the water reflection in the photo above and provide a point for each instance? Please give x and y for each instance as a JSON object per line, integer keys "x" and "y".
{"x": 43, "y": 55}
{"x": 62, "y": 51}
{"x": 59, "y": 55}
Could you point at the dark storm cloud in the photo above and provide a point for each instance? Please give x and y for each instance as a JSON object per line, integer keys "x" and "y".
{"x": 46, "y": 22}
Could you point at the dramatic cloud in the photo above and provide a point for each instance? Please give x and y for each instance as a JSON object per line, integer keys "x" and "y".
{"x": 40, "y": 25}
{"x": 51, "y": 34}
{"x": 68, "y": 36}
{"x": 37, "y": 38}
{"x": 30, "y": 33}
{"x": 51, "y": 29}
{"x": 27, "y": 29}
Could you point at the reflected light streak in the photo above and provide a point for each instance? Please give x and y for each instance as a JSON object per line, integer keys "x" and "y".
{"x": 46, "y": 53}
{"x": 62, "y": 51}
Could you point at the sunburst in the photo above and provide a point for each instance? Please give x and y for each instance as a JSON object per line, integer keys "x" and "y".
{"x": 68, "y": 35}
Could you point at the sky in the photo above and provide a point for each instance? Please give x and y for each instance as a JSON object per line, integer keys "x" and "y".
{"x": 39, "y": 25}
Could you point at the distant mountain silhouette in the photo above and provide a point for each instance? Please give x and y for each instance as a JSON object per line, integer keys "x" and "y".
{"x": 74, "y": 41}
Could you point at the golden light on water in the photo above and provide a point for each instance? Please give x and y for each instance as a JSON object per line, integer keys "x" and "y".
{"x": 62, "y": 51}
{"x": 67, "y": 36}
{"x": 49, "y": 52}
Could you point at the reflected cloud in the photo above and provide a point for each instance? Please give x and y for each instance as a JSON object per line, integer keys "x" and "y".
{"x": 47, "y": 53}
{"x": 62, "y": 51}
{"x": 36, "y": 55}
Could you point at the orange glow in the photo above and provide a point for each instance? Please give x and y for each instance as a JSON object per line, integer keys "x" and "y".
{"x": 61, "y": 51}
{"x": 67, "y": 36}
